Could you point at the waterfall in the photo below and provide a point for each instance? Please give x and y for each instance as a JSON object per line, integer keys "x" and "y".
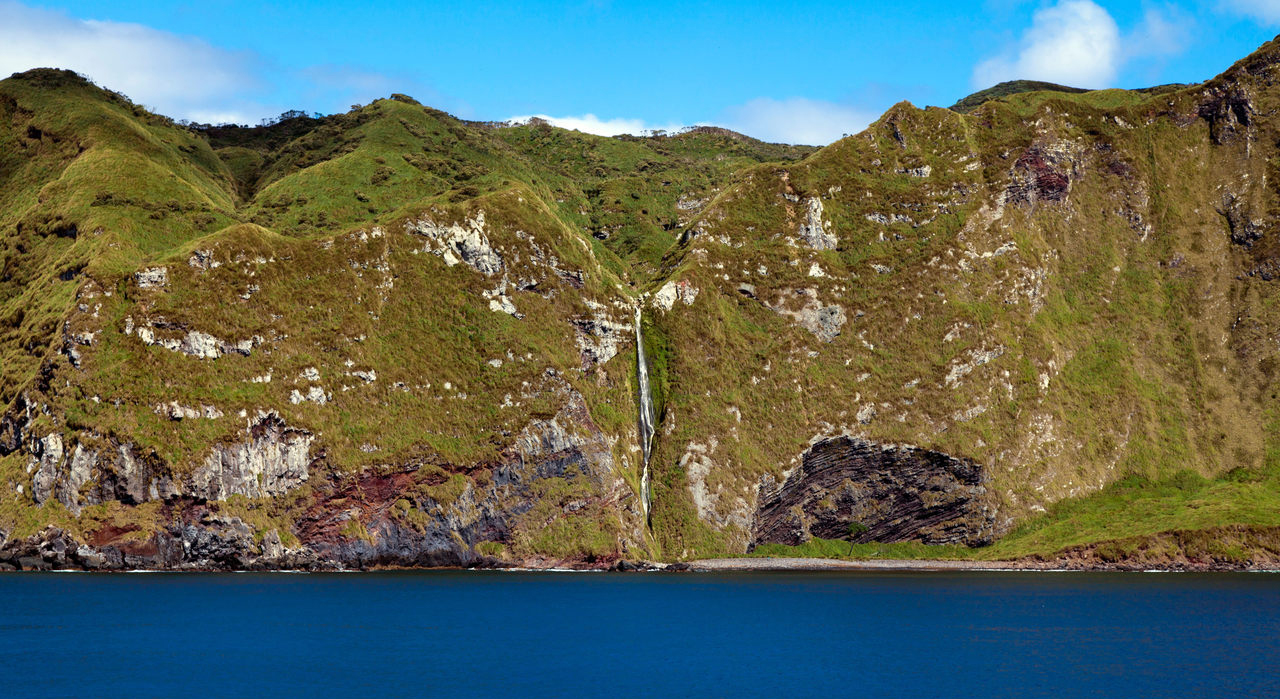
{"x": 646, "y": 415}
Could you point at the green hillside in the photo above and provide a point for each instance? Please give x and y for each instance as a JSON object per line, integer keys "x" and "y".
{"x": 1040, "y": 324}
{"x": 1018, "y": 87}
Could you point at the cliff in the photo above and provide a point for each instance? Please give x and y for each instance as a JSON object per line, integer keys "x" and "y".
{"x": 390, "y": 337}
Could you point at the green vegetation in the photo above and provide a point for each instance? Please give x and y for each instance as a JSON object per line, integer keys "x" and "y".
{"x": 1056, "y": 284}
{"x": 1010, "y": 87}
{"x": 1100, "y": 98}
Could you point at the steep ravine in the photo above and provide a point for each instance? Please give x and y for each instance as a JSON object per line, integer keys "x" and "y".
{"x": 645, "y": 416}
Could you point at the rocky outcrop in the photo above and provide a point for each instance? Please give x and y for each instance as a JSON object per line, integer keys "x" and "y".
{"x": 1228, "y": 110}
{"x": 568, "y": 439}
{"x": 200, "y": 541}
{"x": 1043, "y": 173}
{"x": 82, "y": 469}
{"x": 51, "y": 549}
{"x": 880, "y": 493}
{"x": 418, "y": 514}
{"x": 666, "y": 297}
{"x": 598, "y": 339}
{"x": 813, "y": 232}
{"x": 73, "y": 342}
{"x": 203, "y": 260}
{"x": 964, "y": 366}
{"x": 464, "y": 242}
{"x": 1244, "y": 228}
{"x": 152, "y": 278}
{"x": 13, "y": 425}
{"x": 273, "y": 459}
{"x": 133, "y": 478}
{"x": 715, "y": 504}
{"x": 46, "y": 460}
{"x": 391, "y": 519}
{"x": 437, "y": 514}
{"x": 176, "y": 337}
{"x": 823, "y": 321}
{"x": 93, "y": 469}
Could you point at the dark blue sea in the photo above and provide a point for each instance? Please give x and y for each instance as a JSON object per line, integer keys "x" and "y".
{"x": 518, "y": 634}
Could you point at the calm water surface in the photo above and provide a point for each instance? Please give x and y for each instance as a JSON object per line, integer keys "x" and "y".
{"x": 495, "y": 634}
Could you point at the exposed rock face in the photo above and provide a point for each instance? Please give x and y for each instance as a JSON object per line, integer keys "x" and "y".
{"x": 73, "y": 341}
{"x": 13, "y": 425}
{"x": 1245, "y": 229}
{"x": 398, "y": 519}
{"x": 1268, "y": 270}
{"x": 394, "y": 525}
{"x": 203, "y": 260}
{"x": 464, "y": 242}
{"x": 152, "y": 278}
{"x": 272, "y": 460}
{"x": 95, "y": 470}
{"x": 666, "y": 297}
{"x": 176, "y": 411}
{"x": 413, "y": 515}
{"x": 812, "y": 231}
{"x": 177, "y": 338}
{"x": 1229, "y": 111}
{"x": 218, "y": 542}
{"x": 64, "y": 476}
{"x": 963, "y": 367}
{"x": 898, "y": 493}
{"x": 314, "y": 394}
{"x": 51, "y": 549}
{"x": 1043, "y": 173}
{"x": 569, "y": 438}
{"x": 204, "y": 541}
{"x": 598, "y": 339}
{"x": 46, "y": 458}
{"x": 715, "y": 505}
{"x": 823, "y": 321}
{"x": 134, "y": 479}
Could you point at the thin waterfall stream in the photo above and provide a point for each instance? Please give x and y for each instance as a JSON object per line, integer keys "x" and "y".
{"x": 646, "y": 415}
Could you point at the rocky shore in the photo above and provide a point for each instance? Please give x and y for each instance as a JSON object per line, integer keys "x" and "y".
{"x": 194, "y": 549}
{"x": 1059, "y": 564}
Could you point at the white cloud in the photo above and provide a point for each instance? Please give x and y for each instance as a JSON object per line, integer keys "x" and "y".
{"x": 176, "y": 75}
{"x": 590, "y": 123}
{"x": 796, "y": 120}
{"x": 1074, "y": 42}
{"x": 1267, "y": 11}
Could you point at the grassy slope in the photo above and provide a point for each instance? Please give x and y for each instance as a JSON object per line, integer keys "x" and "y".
{"x": 89, "y": 184}
{"x": 1131, "y": 331}
{"x": 288, "y": 214}
{"x": 1142, "y": 393}
{"x": 429, "y": 341}
{"x": 1010, "y": 88}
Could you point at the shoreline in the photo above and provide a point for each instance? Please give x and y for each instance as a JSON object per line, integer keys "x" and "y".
{"x": 731, "y": 565}
{"x": 740, "y": 564}
{"x": 709, "y": 565}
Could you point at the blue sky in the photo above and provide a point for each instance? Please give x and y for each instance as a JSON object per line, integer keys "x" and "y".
{"x": 798, "y": 72}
